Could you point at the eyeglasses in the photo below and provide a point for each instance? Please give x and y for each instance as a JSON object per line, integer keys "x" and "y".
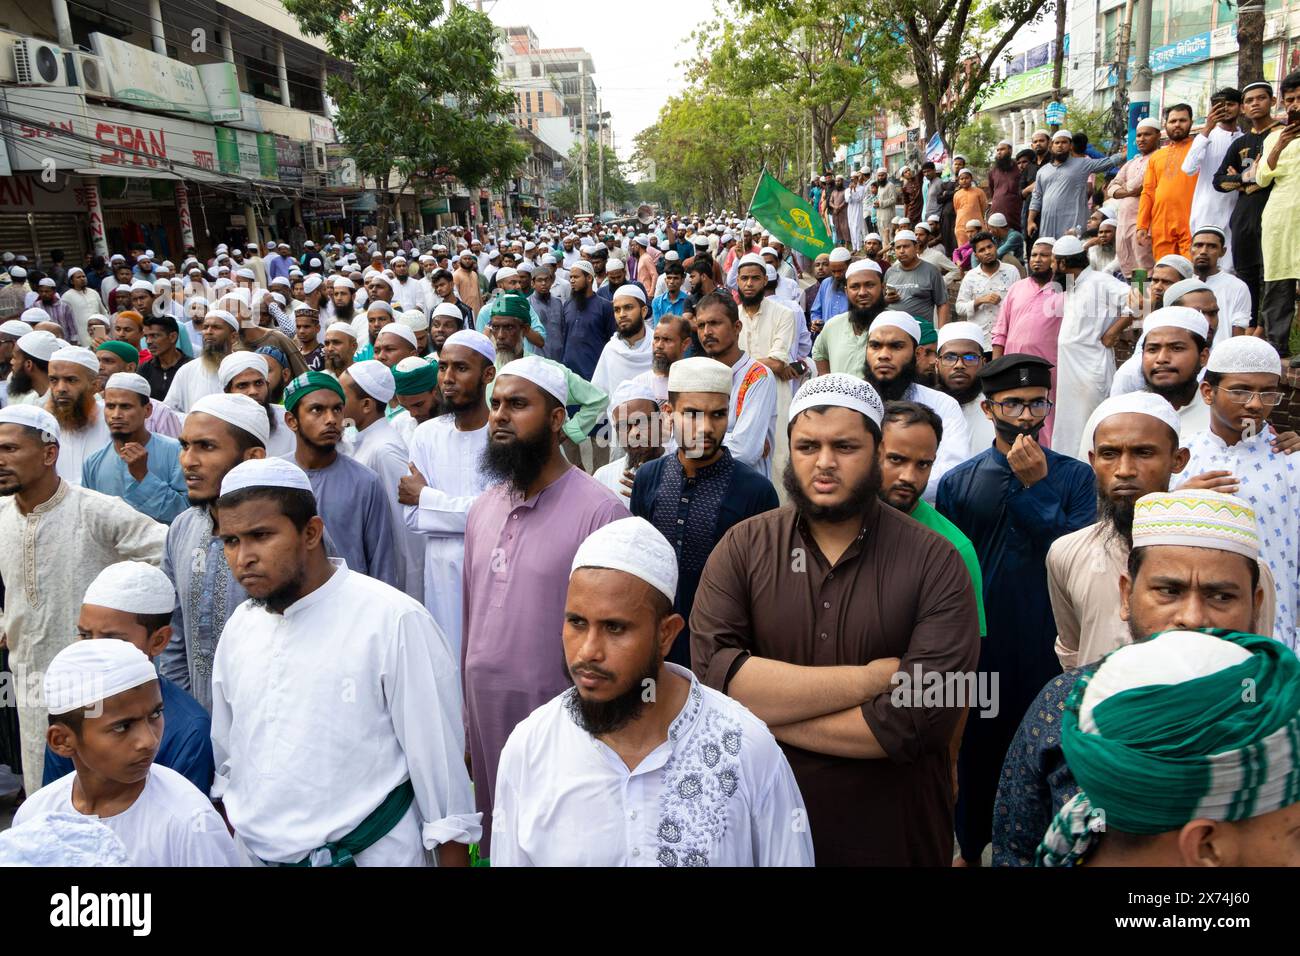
{"x": 965, "y": 358}
{"x": 1012, "y": 407}
{"x": 1242, "y": 396}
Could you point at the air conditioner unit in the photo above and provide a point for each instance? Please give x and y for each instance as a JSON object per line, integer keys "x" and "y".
{"x": 91, "y": 74}
{"x": 316, "y": 160}
{"x": 39, "y": 63}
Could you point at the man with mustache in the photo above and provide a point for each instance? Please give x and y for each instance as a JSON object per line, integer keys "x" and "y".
{"x": 1165, "y": 208}
{"x": 831, "y": 299}
{"x": 1012, "y": 500}
{"x": 83, "y": 431}
{"x": 448, "y": 318}
{"x": 349, "y": 495}
{"x": 520, "y": 538}
{"x": 751, "y": 432}
{"x": 637, "y": 428}
{"x": 560, "y": 798}
{"x": 1004, "y": 184}
{"x": 671, "y": 338}
{"x": 196, "y": 379}
{"x": 246, "y": 373}
{"x": 29, "y": 376}
{"x": 787, "y": 621}
{"x": 961, "y": 347}
{"x": 340, "y": 347}
{"x": 416, "y": 383}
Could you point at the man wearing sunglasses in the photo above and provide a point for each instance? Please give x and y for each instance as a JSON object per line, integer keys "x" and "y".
{"x": 961, "y": 351}
{"x": 1240, "y": 455}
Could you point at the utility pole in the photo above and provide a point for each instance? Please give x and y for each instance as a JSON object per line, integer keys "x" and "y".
{"x": 1139, "y": 99}
{"x": 1119, "y": 106}
{"x": 582, "y": 109}
{"x": 600, "y": 158}
{"x": 1058, "y": 65}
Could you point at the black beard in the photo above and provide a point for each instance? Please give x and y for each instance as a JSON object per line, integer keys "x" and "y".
{"x": 315, "y": 445}
{"x": 632, "y": 332}
{"x": 1043, "y": 276}
{"x": 861, "y": 319}
{"x": 839, "y": 283}
{"x": 750, "y": 300}
{"x": 1117, "y": 516}
{"x": 1177, "y": 394}
{"x": 964, "y": 395}
{"x": 1004, "y": 163}
{"x": 344, "y": 313}
{"x": 636, "y": 457}
{"x": 894, "y": 389}
{"x": 19, "y": 381}
{"x": 606, "y": 717}
{"x": 518, "y": 462}
{"x": 855, "y": 504}
{"x": 285, "y": 595}
{"x": 271, "y": 421}
{"x": 446, "y": 407}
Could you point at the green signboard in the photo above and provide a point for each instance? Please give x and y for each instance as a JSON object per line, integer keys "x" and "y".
{"x": 1029, "y": 83}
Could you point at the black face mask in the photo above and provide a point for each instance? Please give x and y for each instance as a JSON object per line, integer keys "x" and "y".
{"x": 1009, "y": 431}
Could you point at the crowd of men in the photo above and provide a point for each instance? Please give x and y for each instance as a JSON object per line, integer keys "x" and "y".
{"x": 663, "y": 544}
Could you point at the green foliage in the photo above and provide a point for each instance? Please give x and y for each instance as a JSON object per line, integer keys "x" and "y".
{"x": 526, "y": 224}
{"x": 618, "y": 191}
{"x": 977, "y": 141}
{"x": 1084, "y": 119}
{"x": 422, "y": 99}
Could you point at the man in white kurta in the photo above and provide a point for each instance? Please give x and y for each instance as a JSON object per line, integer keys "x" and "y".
{"x": 715, "y": 791}
{"x": 629, "y": 351}
{"x": 1209, "y": 206}
{"x": 57, "y": 538}
{"x": 322, "y": 713}
{"x": 72, "y": 386}
{"x": 960, "y": 381}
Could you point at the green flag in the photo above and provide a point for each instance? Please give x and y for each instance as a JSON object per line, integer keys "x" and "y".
{"x": 790, "y": 218}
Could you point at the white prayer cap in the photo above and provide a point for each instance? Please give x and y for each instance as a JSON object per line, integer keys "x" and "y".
{"x": 1007, "y": 143}
{"x": 1044, "y": 241}
{"x": 343, "y": 282}
{"x": 403, "y": 332}
{"x": 142, "y": 285}
{"x": 526, "y": 267}
{"x": 448, "y": 309}
{"x": 905, "y": 235}
{"x": 672, "y": 256}
{"x": 17, "y": 328}
{"x": 633, "y": 546}
{"x": 899, "y": 320}
{"x": 1180, "y": 264}
{"x": 769, "y": 251}
{"x": 973, "y": 224}
{"x": 472, "y": 339}
{"x": 750, "y": 259}
{"x": 77, "y": 356}
{"x": 32, "y": 416}
{"x": 1181, "y": 288}
{"x": 962, "y": 332}
{"x": 1244, "y": 355}
{"x": 840, "y": 254}
{"x": 87, "y": 672}
{"x": 412, "y": 363}
{"x": 1223, "y": 236}
{"x": 630, "y": 390}
{"x": 1149, "y": 122}
{"x": 250, "y": 274}
{"x": 629, "y": 291}
{"x": 771, "y": 273}
{"x": 415, "y": 320}
{"x": 129, "y": 381}
{"x": 545, "y": 375}
{"x": 47, "y": 283}
{"x": 841, "y": 390}
{"x": 862, "y": 265}
{"x": 265, "y": 473}
{"x": 397, "y": 259}
{"x": 241, "y": 361}
{"x": 40, "y": 344}
{"x": 238, "y": 410}
{"x": 1177, "y": 317}
{"x": 1062, "y": 134}
{"x": 582, "y": 265}
{"x": 1133, "y": 403}
{"x": 1111, "y": 223}
{"x": 699, "y": 374}
{"x": 18, "y": 272}
{"x": 929, "y": 228}
{"x": 341, "y": 326}
{"x": 872, "y": 236}
{"x": 134, "y": 587}
{"x": 33, "y": 315}
{"x": 312, "y": 283}
{"x": 997, "y": 219}
{"x": 1068, "y": 246}
{"x": 699, "y": 241}
{"x": 375, "y": 379}
{"x": 379, "y": 304}
{"x": 506, "y": 273}
{"x": 224, "y": 316}
{"x": 615, "y": 265}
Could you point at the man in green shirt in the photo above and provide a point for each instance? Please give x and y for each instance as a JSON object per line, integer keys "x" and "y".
{"x": 842, "y": 344}
{"x": 909, "y": 442}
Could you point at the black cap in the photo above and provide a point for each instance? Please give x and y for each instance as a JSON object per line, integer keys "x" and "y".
{"x": 1017, "y": 370}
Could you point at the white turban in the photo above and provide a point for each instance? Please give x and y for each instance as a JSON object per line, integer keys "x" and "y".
{"x": 699, "y": 374}
{"x": 241, "y": 361}
{"x": 1177, "y": 317}
{"x": 841, "y": 390}
{"x": 963, "y": 331}
{"x": 472, "y": 339}
{"x": 548, "y": 376}
{"x": 862, "y": 265}
{"x": 899, "y": 320}
{"x": 630, "y": 291}
{"x": 341, "y": 326}
{"x": 77, "y": 356}
{"x": 633, "y": 546}
{"x": 375, "y": 379}
{"x": 1244, "y": 355}
{"x": 87, "y": 672}
{"x": 403, "y": 332}
{"x": 134, "y": 587}
{"x": 32, "y": 416}
{"x": 265, "y": 473}
{"x": 130, "y": 382}
{"x": 1133, "y": 403}
{"x": 238, "y": 410}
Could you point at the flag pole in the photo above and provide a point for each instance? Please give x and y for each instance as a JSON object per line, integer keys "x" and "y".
{"x": 761, "y": 173}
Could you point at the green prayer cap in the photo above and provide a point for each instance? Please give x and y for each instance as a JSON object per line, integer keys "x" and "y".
{"x": 929, "y": 336}
{"x": 309, "y": 382}
{"x": 511, "y": 303}
{"x": 417, "y": 380}
{"x": 123, "y": 350}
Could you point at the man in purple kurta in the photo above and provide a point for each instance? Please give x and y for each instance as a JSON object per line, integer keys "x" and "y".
{"x": 520, "y": 539}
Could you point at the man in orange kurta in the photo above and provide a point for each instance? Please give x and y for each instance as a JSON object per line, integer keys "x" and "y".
{"x": 1165, "y": 211}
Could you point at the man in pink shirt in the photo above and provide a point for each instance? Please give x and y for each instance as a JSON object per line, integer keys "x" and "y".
{"x": 1030, "y": 318}
{"x": 1126, "y": 187}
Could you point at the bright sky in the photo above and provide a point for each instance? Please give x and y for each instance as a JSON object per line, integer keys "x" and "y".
{"x": 651, "y": 39}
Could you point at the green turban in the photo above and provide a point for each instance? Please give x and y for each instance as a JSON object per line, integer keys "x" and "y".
{"x": 512, "y": 303}
{"x": 309, "y": 382}
{"x": 417, "y": 381}
{"x": 928, "y": 334}
{"x": 123, "y": 350}
{"x": 1189, "y": 724}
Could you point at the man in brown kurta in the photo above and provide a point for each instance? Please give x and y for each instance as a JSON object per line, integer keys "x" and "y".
{"x": 879, "y": 791}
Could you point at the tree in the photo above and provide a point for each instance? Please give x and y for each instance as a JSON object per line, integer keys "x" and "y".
{"x": 978, "y": 140}
{"x": 829, "y": 62}
{"x": 422, "y": 101}
{"x": 954, "y": 45}
{"x": 618, "y": 191}
{"x": 1250, "y": 41}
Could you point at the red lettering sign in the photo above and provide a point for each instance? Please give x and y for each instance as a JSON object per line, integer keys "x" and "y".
{"x": 131, "y": 145}
{"x": 17, "y": 191}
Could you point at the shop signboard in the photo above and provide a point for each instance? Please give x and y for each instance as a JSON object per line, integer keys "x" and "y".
{"x": 139, "y": 77}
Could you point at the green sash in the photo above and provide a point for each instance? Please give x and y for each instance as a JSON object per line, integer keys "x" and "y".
{"x": 368, "y": 832}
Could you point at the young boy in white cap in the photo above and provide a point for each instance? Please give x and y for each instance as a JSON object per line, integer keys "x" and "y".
{"x": 106, "y": 715}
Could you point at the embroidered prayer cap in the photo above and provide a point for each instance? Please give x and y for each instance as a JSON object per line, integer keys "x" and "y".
{"x": 122, "y": 349}
{"x": 1242, "y": 355}
{"x": 1161, "y": 734}
{"x": 341, "y": 326}
{"x": 582, "y": 265}
{"x": 87, "y": 672}
{"x": 448, "y": 309}
{"x": 241, "y": 361}
{"x": 872, "y": 237}
{"x": 1216, "y": 230}
{"x": 904, "y": 235}
{"x": 548, "y": 376}
{"x": 630, "y": 390}
{"x": 1133, "y": 403}
{"x": 1197, "y": 518}
{"x": 32, "y": 416}
{"x": 402, "y": 331}
{"x": 374, "y": 378}
{"x": 414, "y": 376}
{"x": 415, "y": 320}
{"x": 308, "y": 382}
{"x": 1177, "y": 317}
{"x": 633, "y": 546}
{"x": 1068, "y": 246}
{"x": 238, "y": 410}
{"x": 699, "y": 374}
{"x": 1044, "y": 241}
{"x": 862, "y": 265}
{"x": 840, "y": 254}
{"x": 472, "y": 339}
{"x": 312, "y": 282}
{"x": 265, "y": 473}
{"x": 1015, "y": 370}
{"x": 899, "y": 320}
{"x": 512, "y": 304}
{"x": 630, "y": 291}
{"x": 963, "y": 332}
{"x": 1180, "y": 264}
{"x": 61, "y": 839}
{"x": 840, "y": 390}
{"x": 134, "y": 587}
{"x": 129, "y": 381}
{"x": 77, "y": 355}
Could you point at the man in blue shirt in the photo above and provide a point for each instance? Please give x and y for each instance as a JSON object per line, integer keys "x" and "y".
{"x": 132, "y": 601}
{"x": 588, "y": 322}
{"x": 672, "y": 302}
{"x": 831, "y": 296}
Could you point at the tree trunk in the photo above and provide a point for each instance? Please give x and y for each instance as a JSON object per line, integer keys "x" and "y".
{"x": 381, "y": 213}
{"x": 1058, "y": 64}
{"x": 1250, "y": 42}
